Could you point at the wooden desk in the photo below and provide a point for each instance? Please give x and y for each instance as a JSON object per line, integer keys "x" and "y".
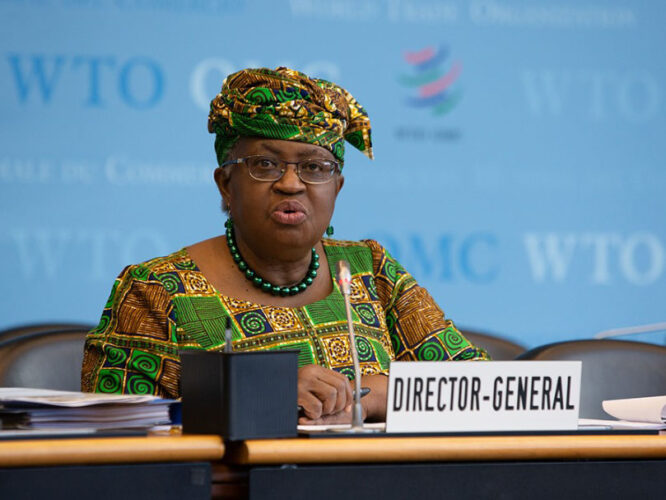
{"x": 525, "y": 467}
{"x": 434, "y": 449}
{"x": 112, "y": 450}
{"x": 122, "y": 468}
{"x": 542, "y": 467}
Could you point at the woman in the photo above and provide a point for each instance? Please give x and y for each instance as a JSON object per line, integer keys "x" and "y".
{"x": 280, "y": 149}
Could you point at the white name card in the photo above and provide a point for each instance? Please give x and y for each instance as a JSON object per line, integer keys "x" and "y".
{"x": 429, "y": 396}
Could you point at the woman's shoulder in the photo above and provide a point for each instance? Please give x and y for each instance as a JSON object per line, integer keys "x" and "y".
{"x": 168, "y": 270}
{"x": 349, "y": 247}
{"x": 350, "y": 244}
{"x": 368, "y": 254}
{"x": 177, "y": 274}
{"x": 178, "y": 260}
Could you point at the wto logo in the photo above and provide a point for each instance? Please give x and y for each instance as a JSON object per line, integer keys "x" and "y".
{"x": 434, "y": 80}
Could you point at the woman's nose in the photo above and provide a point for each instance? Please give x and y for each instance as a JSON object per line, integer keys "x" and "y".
{"x": 290, "y": 181}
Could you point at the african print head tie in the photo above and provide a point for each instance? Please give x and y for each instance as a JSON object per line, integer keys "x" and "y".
{"x": 286, "y": 104}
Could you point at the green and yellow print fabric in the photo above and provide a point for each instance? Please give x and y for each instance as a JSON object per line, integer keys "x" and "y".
{"x": 288, "y": 105}
{"x": 166, "y": 305}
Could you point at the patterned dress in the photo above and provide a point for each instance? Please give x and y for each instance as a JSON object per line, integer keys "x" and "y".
{"x": 166, "y": 304}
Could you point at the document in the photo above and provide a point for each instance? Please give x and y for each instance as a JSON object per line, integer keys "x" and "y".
{"x": 599, "y": 424}
{"x": 52, "y": 397}
{"x": 26, "y": 408}
{"x": 313, "y": 429}
{"x": 652, "y": 409}
{"x": 633, "y": 413}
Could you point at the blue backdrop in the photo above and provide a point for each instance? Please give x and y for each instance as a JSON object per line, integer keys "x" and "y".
{"x": 519, "y": 170}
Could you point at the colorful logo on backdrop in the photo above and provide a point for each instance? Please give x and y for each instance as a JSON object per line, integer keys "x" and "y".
{"x": 434, "y": 79}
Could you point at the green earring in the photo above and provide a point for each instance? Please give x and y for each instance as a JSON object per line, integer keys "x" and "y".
{"x": 329, "y": 231}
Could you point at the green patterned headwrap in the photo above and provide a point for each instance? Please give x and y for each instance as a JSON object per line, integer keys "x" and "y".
{"x": 286, "y": 104}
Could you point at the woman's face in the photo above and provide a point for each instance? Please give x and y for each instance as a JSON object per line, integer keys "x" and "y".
{"x": 286, "y": 212}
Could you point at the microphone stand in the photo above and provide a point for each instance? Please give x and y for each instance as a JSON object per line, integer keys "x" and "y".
{"x": 344, "y": 282}
{"x": 228, "y": 346}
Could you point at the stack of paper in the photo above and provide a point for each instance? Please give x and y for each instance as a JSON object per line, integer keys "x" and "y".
{"x": 633, "y": 413}
{"x": 48, "y": 409}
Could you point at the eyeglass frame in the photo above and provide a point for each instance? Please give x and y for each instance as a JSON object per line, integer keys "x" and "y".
{"x": 283, "y": 167}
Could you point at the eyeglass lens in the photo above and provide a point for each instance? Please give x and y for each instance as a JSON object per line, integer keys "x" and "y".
{"x": 311, "y": 171}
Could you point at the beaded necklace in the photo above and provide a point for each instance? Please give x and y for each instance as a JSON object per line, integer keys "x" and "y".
{"x": 261, "y": 283}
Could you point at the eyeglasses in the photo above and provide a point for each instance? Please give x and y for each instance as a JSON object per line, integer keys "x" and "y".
{"x": 270, "y": 169}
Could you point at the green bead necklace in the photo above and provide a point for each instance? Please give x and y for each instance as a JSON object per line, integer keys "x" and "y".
{"x": 261, "y": 283}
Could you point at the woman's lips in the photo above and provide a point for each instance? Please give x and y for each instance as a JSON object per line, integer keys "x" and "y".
{"x": 289, "y": 213}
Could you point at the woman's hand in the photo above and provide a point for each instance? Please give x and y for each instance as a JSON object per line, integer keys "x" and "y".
{"x": 323, "y": 393}
{"x": 326, "y": 396}
{"x": 341, "y": 417}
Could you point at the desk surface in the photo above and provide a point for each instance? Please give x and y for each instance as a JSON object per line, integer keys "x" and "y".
{"x": 20, "y": 453}
{"x": 449, "y": 448}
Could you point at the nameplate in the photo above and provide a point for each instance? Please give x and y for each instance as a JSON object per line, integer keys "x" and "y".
{"x": 428, "y": 396}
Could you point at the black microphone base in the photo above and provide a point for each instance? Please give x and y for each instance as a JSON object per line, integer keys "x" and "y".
{"x": 240, "y": 395}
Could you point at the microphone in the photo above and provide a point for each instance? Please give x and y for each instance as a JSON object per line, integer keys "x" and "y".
{"x": 343, "y": 275}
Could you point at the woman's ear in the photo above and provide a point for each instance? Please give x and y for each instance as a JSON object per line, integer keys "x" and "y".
{"x": 222, "y": 177}
{"x": 341, "y": 182}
